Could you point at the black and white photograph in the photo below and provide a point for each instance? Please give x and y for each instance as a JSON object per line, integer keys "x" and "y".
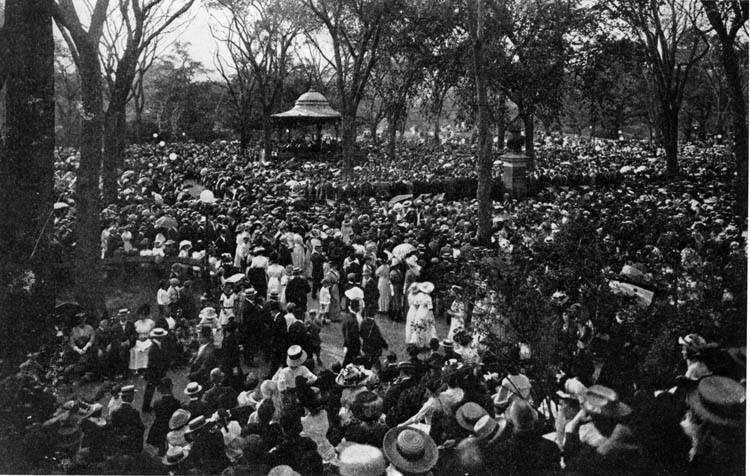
{"x": 374, "y": 237}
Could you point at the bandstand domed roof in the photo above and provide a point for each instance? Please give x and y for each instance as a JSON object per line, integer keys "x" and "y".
{"x": 310, "y": 105}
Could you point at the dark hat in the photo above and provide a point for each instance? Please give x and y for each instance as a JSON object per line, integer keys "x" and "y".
{"x": 367, "y": 406}
{"x": 410, "y": 450}
{"x": 158, "y": 333}
{"x": 719, "y": 400}
{"x": 469, "y": 414}
{"x": 603, "y": 401}
{"x": 406, "y": 365}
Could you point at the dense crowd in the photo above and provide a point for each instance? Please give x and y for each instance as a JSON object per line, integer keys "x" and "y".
{"x": 283, "y": 249}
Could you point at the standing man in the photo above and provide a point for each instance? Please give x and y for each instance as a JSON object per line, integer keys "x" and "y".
{"x": 126, "y": 424}
{"x": 317, "y": 259}
{"x": 350, "y": 329}
{"x": 158, "y": 363}
{"x": 163, "y": 410}
{"x": 251, "y": 330}
{"x": 205, "y": 359}
{"x": 370, "y": 288}
{"x": 296, "y": 293}
{"x": 123, "y": 338}
{"x": 373, "y": 343}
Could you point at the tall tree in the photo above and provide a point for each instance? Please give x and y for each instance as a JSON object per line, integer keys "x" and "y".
{"x": 476, "y": 27}
{"x": 355, "y": 29}
{"x": 26, "y": 167}
{"x": 674, "y": 46}
{"x": 85, "y": 53}
{"x": 727, "y": 20}
{"x": 260, "y": 37}
{"x": 127, "y": 38}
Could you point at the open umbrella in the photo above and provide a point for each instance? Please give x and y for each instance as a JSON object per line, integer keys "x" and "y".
{"x": 68, "y": 308}
{"x": 401, "y": 198}
{"x": 402, "y": 250}
{"x": 166, "y": 222}
{"x": 60, "y": 206}
{"x": 235, "y": 278}
{"x": 127, "y": 174}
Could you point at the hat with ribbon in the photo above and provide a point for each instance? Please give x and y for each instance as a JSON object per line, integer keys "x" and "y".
{"x": 719, "y": 400}
{"x": 295, "y": 356}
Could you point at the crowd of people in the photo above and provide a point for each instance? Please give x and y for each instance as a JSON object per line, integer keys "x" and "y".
{"x": 282, "y": 250}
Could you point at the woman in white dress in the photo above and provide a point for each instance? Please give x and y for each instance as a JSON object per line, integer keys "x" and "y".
{"x": 299, "y": 253}
{"x": 274, "y": 273}
{"x": 139, "y": 352}
{"x": 421, "y": 328}
{"x": 383, "y": 274}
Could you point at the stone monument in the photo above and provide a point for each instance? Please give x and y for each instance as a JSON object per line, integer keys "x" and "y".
{"x": 515, "y": 163}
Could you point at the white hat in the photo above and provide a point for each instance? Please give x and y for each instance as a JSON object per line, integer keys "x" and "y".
{"x": 185, "y": 243}
{"x": 361, "y": 460}
{"x": 295, "y": 356}
{"x": 354, "y": 294}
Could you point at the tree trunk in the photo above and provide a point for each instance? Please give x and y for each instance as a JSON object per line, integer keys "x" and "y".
{"x": 26, "y": 176}
{"x": 670, "y": 132}
{"x": 88, "y": 203}
{"x": 348, "y": 140}
{"x": 392, "y": 129}
{"x": 114, "y": 145}
{"x": 739, "y": 123}
{"x": 374, "y": 131}
{"x": 484, "y": 145}
{"x": 528, "y": 125}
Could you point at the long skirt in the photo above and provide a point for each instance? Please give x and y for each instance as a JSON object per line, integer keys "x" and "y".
{"x": 139, "y": 354}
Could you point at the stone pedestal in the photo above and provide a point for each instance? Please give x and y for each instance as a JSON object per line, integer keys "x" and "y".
{"x": 514, "y": 174}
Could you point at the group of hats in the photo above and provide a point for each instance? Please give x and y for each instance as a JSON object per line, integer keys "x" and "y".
{"x": 355, "y": 376}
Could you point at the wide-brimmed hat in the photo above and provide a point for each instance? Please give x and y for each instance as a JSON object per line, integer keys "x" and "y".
{"x": 185, "y": 243}
{"x": 353, "y": 376}
{"x": 361, "y": 460}
{"x": 572, "y": 389}
{"x": 469, "y": 414}
{"x": 410, "y": 450}
{"x": 603, "y": 401}
{"x": 489, "y": 429}
{"x": 250, "y": 291}
{"x": 295, "y": 356}
{"x": 179, "y": 418}
{"x": 196, "y": 424}
{"x": 719, "y": 400}
{"x": 354, "y": 294}
{"x": 367, "y": 406}
{"x": 157, "y": 333}
{"x": 426, "y": 287}
{"x": 193, "y": 388}
{"x": 175, "y": 455}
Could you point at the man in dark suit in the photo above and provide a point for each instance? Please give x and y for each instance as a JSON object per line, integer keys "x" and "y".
{"x": 251, "y": 331}
{"x": 219, "y": 395}
{"x": 278, "y": 342}
{"x": 123, "y": 337}
{"x": 350, "y": 329}
{"x": 370, "y": 288}
{"x": 127, "y": 427}
{"x": 163, "y": 410}
{"x": 296, "y": 292}
{"x": 373, "y": 342}
{"x": 158, "y": 363}
{"x": 204, "y": 360}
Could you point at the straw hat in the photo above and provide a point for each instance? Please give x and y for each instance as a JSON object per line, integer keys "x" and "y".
{"x": 175, "y": 455}
{"x": 361, "y": 460}
{"x": 603, "y": 401}
{"x": 196, "y": 424}
{"x": 719, "y": 400}
{"x": 295, "y": 356}
{"x": 469, "y": 414}
{"x": 179, "y": 418}
{"x": 193, "y": 388}
{"x": 410, "y": 450}
{"x": 157, "y": 333}
{"x": 426, "y": 287}
{"x": 489, "y": 429}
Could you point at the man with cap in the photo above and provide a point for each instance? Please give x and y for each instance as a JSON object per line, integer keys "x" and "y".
{"x": 164, "y": 408}
{"x": 296, "y": 293}
{"x": 158, "y": 364}
{"x": 126, "y": 425}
